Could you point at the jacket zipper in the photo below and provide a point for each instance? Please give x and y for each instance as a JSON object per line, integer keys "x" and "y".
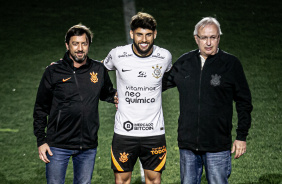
{"x": 58, "y": 120}
{"x": 199, "y": 105}
{"x": 74, "y": 74}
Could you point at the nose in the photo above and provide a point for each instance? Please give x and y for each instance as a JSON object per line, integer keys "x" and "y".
{"x": 79, "y": 47}
{"x": 144, "y": 39}
{"x": 208, "y": 41}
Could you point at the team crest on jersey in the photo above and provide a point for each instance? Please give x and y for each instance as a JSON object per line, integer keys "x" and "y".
{"x": 123, "y": 157}
{"x": 215, "y": 81}
{"x": 157, "y": 71}
{"x": 94, "y": 77}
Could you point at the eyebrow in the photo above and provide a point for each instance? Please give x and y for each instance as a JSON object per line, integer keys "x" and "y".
{"x": 79, "y": 42}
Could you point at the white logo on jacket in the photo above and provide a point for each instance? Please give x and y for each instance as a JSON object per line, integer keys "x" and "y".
{"x": 215, "y": 81}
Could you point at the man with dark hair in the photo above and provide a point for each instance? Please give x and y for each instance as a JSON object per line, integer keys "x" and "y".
{"x": 209, "y": 80}
{"x": 68, "y": 95}
{"x": 139, "y": 123}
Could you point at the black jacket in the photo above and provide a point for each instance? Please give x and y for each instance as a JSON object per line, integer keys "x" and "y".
{"x": 69, "y": 96}
{"x": 206, "y": 100}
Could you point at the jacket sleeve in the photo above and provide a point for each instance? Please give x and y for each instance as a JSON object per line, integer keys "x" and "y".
{"x": 42, "y": 107}
{"x": 107, "y": 91}
{"x": 243, "y": 100}
{"x": 168, "y": 79}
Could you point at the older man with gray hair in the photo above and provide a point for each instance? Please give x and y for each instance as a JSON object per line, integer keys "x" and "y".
{"x": 209, "y": 80}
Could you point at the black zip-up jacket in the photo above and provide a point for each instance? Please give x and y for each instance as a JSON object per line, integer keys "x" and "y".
{"x": 69, "y": 96}
{"x": 206, "y": 100}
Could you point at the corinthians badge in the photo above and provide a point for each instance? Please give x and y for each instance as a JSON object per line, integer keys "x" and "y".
{"x": 157, "y": 71}
{"x": 123, "y": 157}
{"x": 94, "y": 77}
{"x": 215, "y": 81}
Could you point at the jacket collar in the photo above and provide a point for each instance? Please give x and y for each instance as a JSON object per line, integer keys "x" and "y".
{"x": 70, "y": 61}
{"x": 211, "y": 57}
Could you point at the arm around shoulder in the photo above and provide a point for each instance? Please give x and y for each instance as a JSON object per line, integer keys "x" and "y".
{"x": 107, "y": 92}
{"x": 168, "y": 80}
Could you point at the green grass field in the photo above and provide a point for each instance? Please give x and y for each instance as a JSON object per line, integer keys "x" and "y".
{"x": 32, "y": 36}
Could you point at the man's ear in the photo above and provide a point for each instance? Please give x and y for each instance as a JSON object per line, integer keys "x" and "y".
{"x": 196, "y": 39}
{"x": 155, "y": 34}
{"x": 67, "y": 46}
{"x": 131, "y": 34}
{"x": 218, "y": 39}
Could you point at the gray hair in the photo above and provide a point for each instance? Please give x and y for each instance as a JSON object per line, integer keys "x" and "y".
{"x": 207, "y": 21}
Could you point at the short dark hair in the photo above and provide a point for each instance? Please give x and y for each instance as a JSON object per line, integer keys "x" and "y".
{"x": 143, "y": 20}
{"x": 78, "y": 30}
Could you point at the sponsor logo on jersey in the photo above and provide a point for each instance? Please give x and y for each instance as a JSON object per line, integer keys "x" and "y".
{"x": 128, "y": 126}
{"x": 124, "y": 55}
{"x": 108, "y": 58}
{"x": 157, "y": 71}
{"x": 143, "y": 126}
{"x": 158, "y": 151}
{"x": 133, "y": 97}
{"x": 142, "y": 74}
{"x": 64, "y": 80}
{"x": 158, "y": 56}
{"x": 145, "y": 88}
{"x": 123, "y": 157}
{"x": 123, "y": 70}
{"x": 215, "y": 81}
{"x": 94, "y": 77}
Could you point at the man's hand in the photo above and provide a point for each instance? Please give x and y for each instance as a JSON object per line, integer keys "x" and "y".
{"x": 240, "y": 147}
{"x": 42, "y": 152}
{"x": 116, "y": 100}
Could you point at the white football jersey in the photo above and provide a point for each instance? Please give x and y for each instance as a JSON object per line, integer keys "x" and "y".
{"x": 139, "y": 86}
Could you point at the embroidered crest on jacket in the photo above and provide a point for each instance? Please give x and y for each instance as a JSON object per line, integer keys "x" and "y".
{"x": 215, "y": 81}
{"x": 94, "y": 77}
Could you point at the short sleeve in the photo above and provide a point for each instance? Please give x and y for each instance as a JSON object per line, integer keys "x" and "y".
{"x": 109, "y": 60}
{"x": 169, "y": 58}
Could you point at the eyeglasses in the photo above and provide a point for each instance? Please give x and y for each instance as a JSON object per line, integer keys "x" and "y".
{"x": 205, "y": 38}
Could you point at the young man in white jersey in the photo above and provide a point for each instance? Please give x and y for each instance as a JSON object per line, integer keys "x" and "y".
{"x": 139, "y": 123}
